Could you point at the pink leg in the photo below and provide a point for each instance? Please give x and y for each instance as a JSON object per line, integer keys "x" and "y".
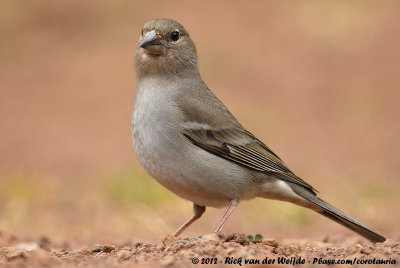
{"x": 233, "y": 205}
{"x": 197, "y": 211}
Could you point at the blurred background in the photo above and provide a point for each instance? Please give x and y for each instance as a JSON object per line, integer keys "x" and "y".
{"x": 318, "y": 82}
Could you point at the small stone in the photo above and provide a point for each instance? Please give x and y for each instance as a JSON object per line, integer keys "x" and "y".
{"x": 108, "y": 248}
{"x": 272, "y": 242}
{"x": 29, "y": 246}
{"x": 169, "y": 239}
{"x": 44, "y": 242}
{"x": 124, "y": 254}
{"x": 96, "y": 249}
{"x": 389, "y": 243}
{"x": 209, "y": 238}
{"x": 366, "y": 250}
{"x": 238, "y": 238}
{"x": 138, "y": 244}
{"x": 12, "y": 253}
{"x": 160, "y": 247}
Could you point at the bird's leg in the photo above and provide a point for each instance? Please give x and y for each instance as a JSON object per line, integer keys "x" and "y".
{"x": 232, "y": 206}
{"x": 197, "y": 212}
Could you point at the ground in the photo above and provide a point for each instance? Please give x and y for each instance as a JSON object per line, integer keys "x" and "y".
{"x": 225, "y": 250}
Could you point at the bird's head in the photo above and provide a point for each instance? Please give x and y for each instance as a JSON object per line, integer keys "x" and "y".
{"x": 165, "y": 47}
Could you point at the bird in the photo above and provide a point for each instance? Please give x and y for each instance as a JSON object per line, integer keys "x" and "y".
{"x": 188, "y": 141}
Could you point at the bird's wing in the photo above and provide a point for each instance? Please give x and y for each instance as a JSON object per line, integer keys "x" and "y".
{"x": 241, "y": 147}
{"x": 209, "y": 125}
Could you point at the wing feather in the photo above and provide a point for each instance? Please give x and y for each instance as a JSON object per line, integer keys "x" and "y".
{"x": 242, "y": 147}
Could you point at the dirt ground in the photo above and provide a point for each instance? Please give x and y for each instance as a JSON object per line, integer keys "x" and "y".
{"x": 318, "y": 83}
{"x": 229, "y": 251}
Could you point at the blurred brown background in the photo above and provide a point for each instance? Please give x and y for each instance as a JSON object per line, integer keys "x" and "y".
{"x": 316, "y": 81}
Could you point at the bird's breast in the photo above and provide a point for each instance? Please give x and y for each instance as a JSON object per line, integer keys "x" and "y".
{"x": 153, "y": 132}
{"x": 158, "y": 142}
{"x": 171, "y": 159}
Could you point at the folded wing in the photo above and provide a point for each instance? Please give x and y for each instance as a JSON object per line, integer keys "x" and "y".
{"x": 243, "y": 148}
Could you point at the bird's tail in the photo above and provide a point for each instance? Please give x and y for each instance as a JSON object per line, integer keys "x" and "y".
{"x": 334, "y": 214}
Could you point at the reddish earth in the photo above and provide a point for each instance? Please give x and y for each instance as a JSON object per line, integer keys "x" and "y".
{"x": 229, "y": 251}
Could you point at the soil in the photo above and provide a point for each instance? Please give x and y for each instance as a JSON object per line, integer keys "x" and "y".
{"x": 224, "y": 250}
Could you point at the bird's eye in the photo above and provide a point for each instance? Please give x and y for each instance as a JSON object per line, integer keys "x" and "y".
{"x": 175, "y": 36}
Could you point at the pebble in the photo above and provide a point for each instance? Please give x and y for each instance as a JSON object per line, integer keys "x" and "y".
{"x": 108, "y": 248}
{"x": 96, "y": 249}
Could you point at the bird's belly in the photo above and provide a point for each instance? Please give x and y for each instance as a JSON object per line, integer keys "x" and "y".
{"x": 162, "y": 159}
{"x": 189, "y": 171}
{"x": 180, "y": 166}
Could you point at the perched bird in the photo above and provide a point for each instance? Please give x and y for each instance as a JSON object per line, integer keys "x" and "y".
{"x": 190, "y": 143}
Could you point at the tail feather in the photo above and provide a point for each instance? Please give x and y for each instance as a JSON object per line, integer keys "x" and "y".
{"x": 338, "y": 216}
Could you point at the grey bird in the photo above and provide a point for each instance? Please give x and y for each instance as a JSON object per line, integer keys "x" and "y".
{"x": 188, "y": 141}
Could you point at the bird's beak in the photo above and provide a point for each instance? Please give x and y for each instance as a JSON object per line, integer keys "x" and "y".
{"x": 151, "y": 43}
